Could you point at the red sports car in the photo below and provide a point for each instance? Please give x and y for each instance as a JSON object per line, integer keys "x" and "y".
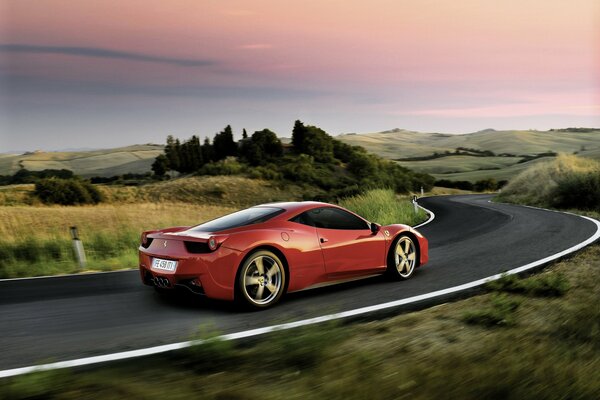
{"x": 256, "y": 255}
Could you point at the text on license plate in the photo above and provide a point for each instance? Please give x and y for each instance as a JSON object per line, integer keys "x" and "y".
{"x": 167, "y": 265}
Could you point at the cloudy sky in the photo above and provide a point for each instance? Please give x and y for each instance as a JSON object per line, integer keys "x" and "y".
{"x": 78, "y": 74}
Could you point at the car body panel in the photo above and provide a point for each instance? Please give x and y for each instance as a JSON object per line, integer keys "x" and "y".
{"x": 344, "y": 254}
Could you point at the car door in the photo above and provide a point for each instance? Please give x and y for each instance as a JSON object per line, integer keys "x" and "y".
{"x": 349, "y": 247}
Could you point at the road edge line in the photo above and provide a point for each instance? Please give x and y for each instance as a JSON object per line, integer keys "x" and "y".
{"x": 431, "y": 216}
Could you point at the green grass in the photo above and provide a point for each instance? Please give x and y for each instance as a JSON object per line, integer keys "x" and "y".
{"x": 459, "y": 164}
{"x": 385, "y": 207}
{"x": 505, "y": 173}
{"x": 542, "y": 285}
{"x": 516, "y": 346}
{"x": 500, "y": 312}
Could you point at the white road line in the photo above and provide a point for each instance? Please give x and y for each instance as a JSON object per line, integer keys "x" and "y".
{"x": 431, "y": 216}
{"x": 305, "y": 322}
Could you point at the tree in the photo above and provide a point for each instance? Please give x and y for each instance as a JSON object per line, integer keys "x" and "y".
{"x": 318, "y": 144}
{"x": 224, "y": 145}
{"x": 244, "y": 134}
{"x": 172, "y": 153}
{"x": 208, "y": 153}
{"x": 264, "y": 146}
{"x": 312, "y": 141}
{"x": 298, "y": 135}
{"x": 160, "y": 165}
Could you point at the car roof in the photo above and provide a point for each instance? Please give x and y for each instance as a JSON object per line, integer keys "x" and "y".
{"x": 297, "y": 206}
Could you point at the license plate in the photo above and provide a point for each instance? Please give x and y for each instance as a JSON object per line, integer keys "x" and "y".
{"x": 167, "y": 265}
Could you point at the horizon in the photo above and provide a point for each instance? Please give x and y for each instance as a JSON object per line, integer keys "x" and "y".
{"x": 238, "y": 137}
{"x": 88, "y": 75}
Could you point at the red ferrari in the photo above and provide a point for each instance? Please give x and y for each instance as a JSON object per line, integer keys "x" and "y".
{"x": 256, "y": 255}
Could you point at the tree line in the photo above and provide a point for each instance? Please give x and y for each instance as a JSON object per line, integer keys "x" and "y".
{"x": 313, "y": 158}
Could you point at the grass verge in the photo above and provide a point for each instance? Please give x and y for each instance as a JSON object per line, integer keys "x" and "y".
{"x": 550, "y": 350}
{"x": 385, "y": 207}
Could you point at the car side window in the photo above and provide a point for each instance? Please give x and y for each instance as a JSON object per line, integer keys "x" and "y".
{"x": 335, "y": 218}
{"x": 303, "y": 219}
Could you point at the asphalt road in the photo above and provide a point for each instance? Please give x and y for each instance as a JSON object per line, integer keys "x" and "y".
{"x": 76, "y": 317}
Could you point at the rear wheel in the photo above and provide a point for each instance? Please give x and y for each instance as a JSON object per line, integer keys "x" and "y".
{"x": 261, "y": 280}
{"x": 402, "y": 259}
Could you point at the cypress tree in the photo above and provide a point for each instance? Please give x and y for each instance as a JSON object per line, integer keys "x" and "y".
{"x": 223, "y": 144}
{"x": 298, "y": 136}
{"x": 207, "y": 151}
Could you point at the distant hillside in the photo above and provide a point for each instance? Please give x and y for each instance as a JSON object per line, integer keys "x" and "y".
{"x": 106, "y": 162}
{"x": 401, "y": 144}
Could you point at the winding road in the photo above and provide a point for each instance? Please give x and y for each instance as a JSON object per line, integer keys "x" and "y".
{"x": 63, "y": 318}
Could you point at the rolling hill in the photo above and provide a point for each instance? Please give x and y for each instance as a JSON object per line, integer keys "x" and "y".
{"x": 107, "y": 162}
{"x": 399, "y": 144}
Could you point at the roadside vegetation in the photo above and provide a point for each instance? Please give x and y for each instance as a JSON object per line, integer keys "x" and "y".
{"x": 384, "y": 207}
{"x": 514, "y": 342}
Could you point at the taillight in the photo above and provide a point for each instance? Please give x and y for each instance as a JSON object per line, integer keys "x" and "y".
{"x": 146, "y": 241}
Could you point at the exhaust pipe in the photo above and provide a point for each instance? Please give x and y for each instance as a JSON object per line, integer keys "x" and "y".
{"x": 161, "y": 282}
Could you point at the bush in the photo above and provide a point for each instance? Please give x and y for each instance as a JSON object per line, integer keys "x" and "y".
{"x": 229, "y": 166}
{"x": 578, "y": 190}
{"x": 566, "y": 181}
{"x": 67, "y": 192}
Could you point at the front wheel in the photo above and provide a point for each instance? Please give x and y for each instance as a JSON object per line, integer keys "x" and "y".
{"x": 402, "y": 259}
{"x": 261, "y": 280}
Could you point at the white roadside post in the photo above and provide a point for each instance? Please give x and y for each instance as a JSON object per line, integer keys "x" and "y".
{"x": 414, "y": 201}
{"x": 78, "y": 247}
{"x": 422, "y": 192}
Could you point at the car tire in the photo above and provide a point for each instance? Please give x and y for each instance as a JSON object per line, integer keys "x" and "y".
{"x": 261, "y": 280}
{"x": 402, "y": 258}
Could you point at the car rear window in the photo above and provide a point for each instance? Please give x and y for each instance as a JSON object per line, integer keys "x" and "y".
{"x": 249, "y": 216}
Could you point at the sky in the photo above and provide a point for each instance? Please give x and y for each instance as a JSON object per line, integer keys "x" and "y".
{"x": 100, "y": 74}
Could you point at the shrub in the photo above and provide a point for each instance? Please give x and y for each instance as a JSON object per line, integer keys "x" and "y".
{"x": 67, "y": 192}
{"x": 578, "y": 190}
{"x": 558, "y": 182}
{"x": 229, "y": 166}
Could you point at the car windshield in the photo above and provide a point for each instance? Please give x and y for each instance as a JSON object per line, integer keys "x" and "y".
{"x": 248, "y": 216}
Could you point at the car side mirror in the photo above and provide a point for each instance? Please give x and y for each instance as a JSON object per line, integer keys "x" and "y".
{"x": 375, "y": 228}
